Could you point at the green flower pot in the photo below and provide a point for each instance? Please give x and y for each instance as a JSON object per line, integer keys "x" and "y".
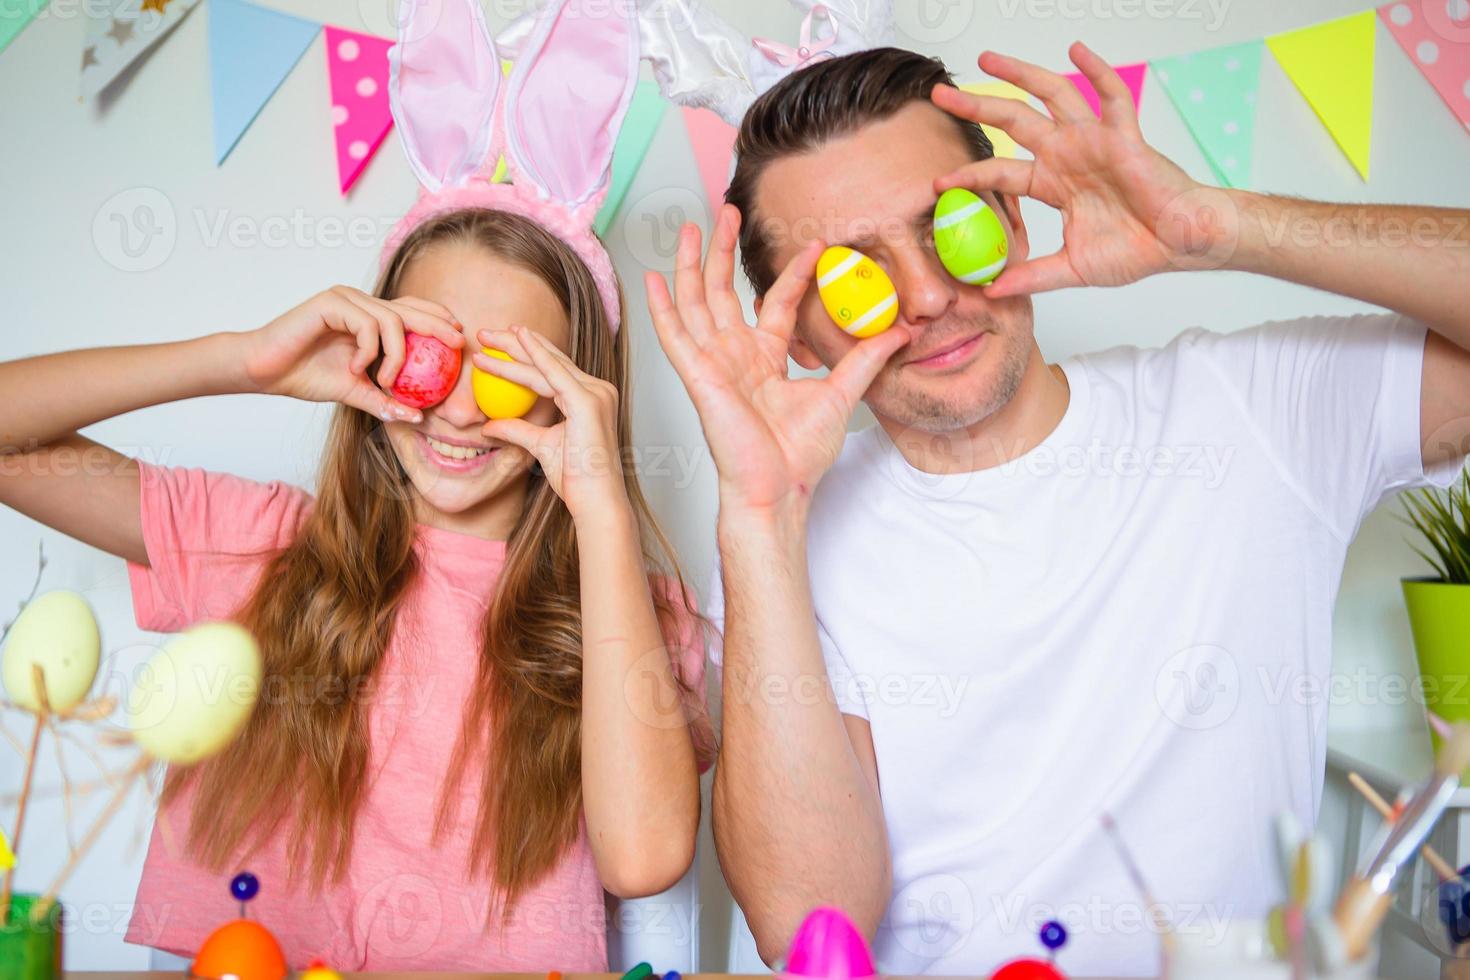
{"x": 1439, "y": 616}
{"x": 30, "y": 950}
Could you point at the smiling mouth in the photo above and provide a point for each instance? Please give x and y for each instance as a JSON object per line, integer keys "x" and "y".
{"x": 950, "y": 354}
{"x": 456, "y": 452}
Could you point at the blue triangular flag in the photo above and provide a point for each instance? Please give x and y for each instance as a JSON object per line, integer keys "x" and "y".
{"x": 639, "y": 125}
{"x": 1215, "y": 92}
{"x": 251, "y": 51}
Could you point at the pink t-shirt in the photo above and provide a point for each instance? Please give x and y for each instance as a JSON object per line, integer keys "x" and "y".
{"x": 404, "y": 902}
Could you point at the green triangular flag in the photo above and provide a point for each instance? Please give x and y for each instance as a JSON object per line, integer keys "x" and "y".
{"x": 1215, "y": 92}
{"x": 644, "y": 113}
{"x": 14, "y": 16}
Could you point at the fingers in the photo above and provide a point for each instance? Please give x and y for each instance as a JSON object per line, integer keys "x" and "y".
{"x": 1114, "y": 98}
{"x": 680, "y": 348}
{"x": 783, "y": 299}
{"x": 995, "y": 174}
{"x": 689, "y": 285}
{"x": 1019, "y": 121}
{"x": 568, "y": 383}
{"x": 860, "y": 365}
{"x": 517, "y": 432}
{"x": 1035, "y": 276}
{"x": 371, "y": 399}
{"x": 521, "y": 373}
{"x": 341, "y": 314}
{"x": 719, "y": 270}
{"x": 431, "y": 319}
{"x": 1060, "y": 96}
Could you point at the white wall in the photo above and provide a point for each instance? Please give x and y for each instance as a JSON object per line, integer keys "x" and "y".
{"x": 72, "y": 167}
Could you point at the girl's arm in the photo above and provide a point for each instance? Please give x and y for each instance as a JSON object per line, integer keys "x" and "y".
{"x": 640, "y": 781}
{"x": 318, "y": 351}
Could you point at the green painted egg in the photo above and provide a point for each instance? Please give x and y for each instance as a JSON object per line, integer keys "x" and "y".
{"x": 969, "y": 237}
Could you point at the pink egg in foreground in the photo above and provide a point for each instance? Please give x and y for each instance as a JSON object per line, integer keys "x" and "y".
{"x": 827, "y": 946}
{"x": 430, "y": 371}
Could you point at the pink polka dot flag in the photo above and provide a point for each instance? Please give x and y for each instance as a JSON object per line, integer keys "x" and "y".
{"x": 1132, "y": 76}
{"x": 1436, "y": 36}
{"x": 357, "y": 66}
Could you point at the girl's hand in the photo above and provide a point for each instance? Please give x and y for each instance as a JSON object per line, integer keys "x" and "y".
{"x": 1127, "y": 211}
{"x": 579, "y": 454}
{"x": 321, "y": 350}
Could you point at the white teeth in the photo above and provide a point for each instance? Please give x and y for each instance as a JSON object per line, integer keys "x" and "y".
{"x": 454, "y": 452}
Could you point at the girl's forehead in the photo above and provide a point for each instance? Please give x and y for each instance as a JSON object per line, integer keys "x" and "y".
{"x": 485, "y": 291}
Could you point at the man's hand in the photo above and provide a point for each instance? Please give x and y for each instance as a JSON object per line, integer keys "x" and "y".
{"x": 772, "y": 437}
{"x": 1127, "y": 211}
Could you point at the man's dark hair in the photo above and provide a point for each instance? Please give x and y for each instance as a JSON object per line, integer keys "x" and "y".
{"x": 818, "y": 103}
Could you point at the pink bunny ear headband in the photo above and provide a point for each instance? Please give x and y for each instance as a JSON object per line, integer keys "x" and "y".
{"x": 555, "y": 119}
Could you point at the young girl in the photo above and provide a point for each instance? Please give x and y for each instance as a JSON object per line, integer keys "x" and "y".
{"x": 478, "y": 713}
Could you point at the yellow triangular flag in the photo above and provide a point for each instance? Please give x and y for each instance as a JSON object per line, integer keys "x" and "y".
{"x": 1331, "y": 64}
{"x": 1004, "y": 145}
{"x": 7, "y": 856}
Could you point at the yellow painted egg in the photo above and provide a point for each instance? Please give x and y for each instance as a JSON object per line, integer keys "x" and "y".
{"x": 194, "y": 696}
{"x": 857, "y": 293}
{"x": 497, "y": 397}
{"x": 969, "y": 237}
{"x": 58, "y": 633}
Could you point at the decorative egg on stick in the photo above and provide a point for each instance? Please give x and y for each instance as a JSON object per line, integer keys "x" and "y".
{"x": 48, "y": 666}
{"x": 827, "y": 946}
{"x": 969, "y": 237}
{"x": 188, "y": 703}
{"x": 497, "y": 397}
{"x": 1053, "y": 936}
{"x": 856, "y": 292}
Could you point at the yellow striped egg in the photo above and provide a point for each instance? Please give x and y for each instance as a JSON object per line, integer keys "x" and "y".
{"x": 856, "y": 292}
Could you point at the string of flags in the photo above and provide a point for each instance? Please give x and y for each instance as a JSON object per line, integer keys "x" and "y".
{"x": 252, "y": 49}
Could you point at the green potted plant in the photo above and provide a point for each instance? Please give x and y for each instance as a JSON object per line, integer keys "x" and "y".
{"x": 1439, "y": 604}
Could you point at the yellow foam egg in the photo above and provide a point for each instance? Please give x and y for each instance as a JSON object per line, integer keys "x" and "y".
{"x": 58, "y": 633}
{"x": 497, "y": 397}
{"x": 857, "y": 293}
{"x": 192, "y": 697}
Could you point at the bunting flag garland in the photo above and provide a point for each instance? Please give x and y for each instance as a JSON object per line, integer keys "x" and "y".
{"x": 1215, "y": 93}
{"x": 1436, "y": 37}
{"x": 119, "y": 32}
{"x": 1000, "y": 140}
{"x": 1331, "y": 64}
{"x": 357, "y": 70}
{"x": 14, "y": 16}
{"x": 644, "y": 114}
{"x": 1132, "y": 76}
{"x": 251, "y": 51}
{"x": 713, "y": 141}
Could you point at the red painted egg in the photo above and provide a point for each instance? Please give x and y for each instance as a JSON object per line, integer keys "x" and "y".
{"x": 430, "y": 370}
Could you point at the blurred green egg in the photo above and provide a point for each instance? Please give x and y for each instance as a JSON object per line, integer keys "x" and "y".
{"x": 58, "y": 633}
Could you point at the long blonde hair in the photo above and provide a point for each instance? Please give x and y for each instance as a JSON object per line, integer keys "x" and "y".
{"x": 326, "y": 604}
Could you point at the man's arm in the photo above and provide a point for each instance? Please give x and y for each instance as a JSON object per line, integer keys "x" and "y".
{"x": 1129, "y": 212}
{"x": 797, "y": 817}
{"x": 1413, "y": 260}
{"x": 797, "y": 821}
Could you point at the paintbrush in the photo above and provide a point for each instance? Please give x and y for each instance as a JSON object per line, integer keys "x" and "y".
{"x": 1365, "y": 898}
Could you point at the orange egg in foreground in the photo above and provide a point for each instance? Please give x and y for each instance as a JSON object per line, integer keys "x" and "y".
{"x": 244, "y": 949}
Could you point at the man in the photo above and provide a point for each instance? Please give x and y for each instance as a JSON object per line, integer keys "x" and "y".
{"x": 1033, "y": 594}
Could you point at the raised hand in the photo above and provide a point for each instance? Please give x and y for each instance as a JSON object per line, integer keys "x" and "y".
{"x": 772, "y": 436}
{"x": 320, "y": 351}
{"x": 1127, "y": 210}
{"x": 579, "y": 454}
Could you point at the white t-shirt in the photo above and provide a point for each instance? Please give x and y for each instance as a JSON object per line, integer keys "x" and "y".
{"x": 1134, "y": 617}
